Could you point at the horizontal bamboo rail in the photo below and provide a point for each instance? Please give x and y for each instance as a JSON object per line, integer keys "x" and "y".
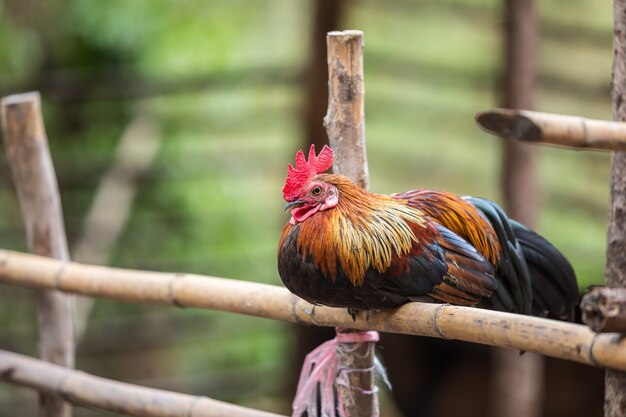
{"x": 88, "y": 390}
{"x": 555, "y": 129}
{"x": 547, "y": 337}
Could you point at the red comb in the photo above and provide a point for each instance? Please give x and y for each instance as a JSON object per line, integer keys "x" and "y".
{"x": 299, "y": 176}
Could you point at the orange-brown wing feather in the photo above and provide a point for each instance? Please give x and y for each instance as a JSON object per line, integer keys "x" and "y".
{"x": 457, "y": 215}
{"x": 470, "y": 276}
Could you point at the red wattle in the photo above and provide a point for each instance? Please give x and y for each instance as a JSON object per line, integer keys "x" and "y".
{"x": 300, "y": 214}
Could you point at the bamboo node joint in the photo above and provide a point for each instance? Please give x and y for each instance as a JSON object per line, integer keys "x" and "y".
{"x": 436, "y": 318}
{"x": 172, "y": 293}
{"x": 58, "y": 275}
{"x": 7, "y": 373}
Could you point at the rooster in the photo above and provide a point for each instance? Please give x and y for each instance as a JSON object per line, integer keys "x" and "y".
{"x": 347, "y": 247}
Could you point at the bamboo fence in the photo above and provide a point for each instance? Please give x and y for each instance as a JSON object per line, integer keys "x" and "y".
{"x": 548, "y": 337}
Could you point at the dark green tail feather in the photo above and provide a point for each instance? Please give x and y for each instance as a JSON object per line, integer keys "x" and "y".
{"x": 514, "y": 291}
{"x": 553, "y": 278}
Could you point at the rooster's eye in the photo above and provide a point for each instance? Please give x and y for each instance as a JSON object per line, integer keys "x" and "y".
{"x": 317, "y": 190}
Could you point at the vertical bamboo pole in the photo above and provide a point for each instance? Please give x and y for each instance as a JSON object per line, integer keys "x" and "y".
{"x": 345, "y": 125}
{"x": 517, "y": 384}
{"x": 37, "y": 190}
{"x": 345, "y": 119}
{"x": 615, "y": 273}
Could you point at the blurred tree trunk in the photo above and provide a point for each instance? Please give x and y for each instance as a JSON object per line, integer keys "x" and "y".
{"x": 519, "y": 180}
{"x": 518, "y": 381}
{"x": 615, "y": 274}
{"x": 118, "y": 187}
{"x": 327, "y": 16}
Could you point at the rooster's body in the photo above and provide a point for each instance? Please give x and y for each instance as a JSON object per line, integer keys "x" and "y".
{"x": 347, "y": 247}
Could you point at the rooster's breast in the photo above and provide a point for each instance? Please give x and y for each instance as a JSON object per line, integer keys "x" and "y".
{"x": 304, "y": 278}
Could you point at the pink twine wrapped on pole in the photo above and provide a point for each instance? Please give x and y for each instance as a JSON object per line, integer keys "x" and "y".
{"x": 317, "y": 388}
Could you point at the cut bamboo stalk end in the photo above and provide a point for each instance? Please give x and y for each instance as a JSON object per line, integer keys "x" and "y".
{"x": 92, "y": 391}
{"x": 554, "y": 129}
{"x": 29, "y": 97}
{"x": 604, "y": 309}
{"x": 547, "y": 337}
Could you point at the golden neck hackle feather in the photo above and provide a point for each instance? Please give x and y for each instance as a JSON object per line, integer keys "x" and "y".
{"x": 364, "y": 230}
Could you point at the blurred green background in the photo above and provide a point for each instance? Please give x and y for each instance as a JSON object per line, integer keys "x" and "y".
{"x": 221, "y": 85}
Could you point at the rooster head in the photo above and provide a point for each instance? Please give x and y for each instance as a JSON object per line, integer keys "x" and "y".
{"x": 306, "y": 195}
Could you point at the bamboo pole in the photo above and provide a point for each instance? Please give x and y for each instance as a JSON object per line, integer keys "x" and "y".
{"x": 345, "y": 126}
{"x": 92, "y": 391}
{"x": 554, "y": 129}
{"x": 615, "y": 273}
{"x": 604, "y": 309}
{"x": 38, "y": 194}
{"x": 345, "y": 118}
{"x": 533, "y": 334}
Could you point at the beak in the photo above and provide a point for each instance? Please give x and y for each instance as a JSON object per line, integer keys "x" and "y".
{"x": 294, "y": 204}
